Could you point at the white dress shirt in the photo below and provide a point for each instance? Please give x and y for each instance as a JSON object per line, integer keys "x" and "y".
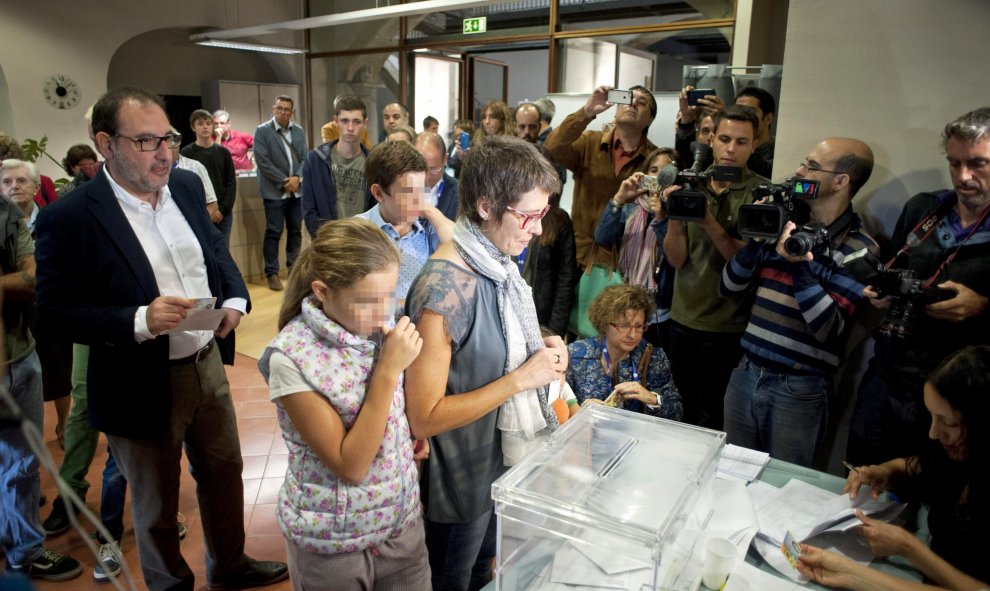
{"x": 176, "y": 259}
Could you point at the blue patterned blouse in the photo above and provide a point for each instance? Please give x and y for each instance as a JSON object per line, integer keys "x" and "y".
{"x": 588, "y": 379}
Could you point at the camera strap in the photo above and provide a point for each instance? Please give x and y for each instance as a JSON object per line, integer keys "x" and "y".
{"x": 926, "y": 227}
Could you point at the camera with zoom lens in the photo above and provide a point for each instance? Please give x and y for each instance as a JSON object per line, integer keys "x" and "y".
{"x": 908, "y": 293}
{"x": 807, "y": 238}
{"x": 767, "y": 220}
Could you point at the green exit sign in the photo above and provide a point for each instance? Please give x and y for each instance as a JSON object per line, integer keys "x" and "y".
{"x": 475, "y": 25}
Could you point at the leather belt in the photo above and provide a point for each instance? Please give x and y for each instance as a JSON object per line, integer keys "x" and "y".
{"x": 195, "y": 357}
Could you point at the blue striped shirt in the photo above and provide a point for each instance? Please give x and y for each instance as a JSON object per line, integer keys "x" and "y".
{"x": 802, "y": 311}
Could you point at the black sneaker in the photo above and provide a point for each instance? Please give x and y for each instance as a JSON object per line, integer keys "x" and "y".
{"x": 49, "y": 566}
{"x": 57, "y": 522}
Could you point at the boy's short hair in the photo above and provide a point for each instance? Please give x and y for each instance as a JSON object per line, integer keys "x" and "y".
{"x": 198, "y": 115}
{"x": 390, "y": 160}
{"x": 349, "y": 102}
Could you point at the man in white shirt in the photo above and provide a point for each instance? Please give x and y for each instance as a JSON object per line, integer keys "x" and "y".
{"x": 151, "y": 260}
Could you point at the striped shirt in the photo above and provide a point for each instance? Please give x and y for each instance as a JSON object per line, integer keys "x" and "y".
{"x": 799, "y": 320}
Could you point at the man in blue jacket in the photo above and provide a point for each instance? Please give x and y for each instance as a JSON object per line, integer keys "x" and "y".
{"x": 336, "y": 186}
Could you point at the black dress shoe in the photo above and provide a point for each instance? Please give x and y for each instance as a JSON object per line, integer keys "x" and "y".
{"x": 258, "y": 574}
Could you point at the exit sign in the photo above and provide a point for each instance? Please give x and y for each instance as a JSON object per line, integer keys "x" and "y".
{"x": 475, "y": 25}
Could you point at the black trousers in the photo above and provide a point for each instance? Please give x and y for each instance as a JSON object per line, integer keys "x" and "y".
{"x": 701, "y": 364}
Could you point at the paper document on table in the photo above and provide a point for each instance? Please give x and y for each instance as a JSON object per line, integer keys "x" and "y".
{"x": 746, "y": 576}
{"x": 734, "y": 517}
{"x": 199, "y": 319}
{"x": 607, "y": 570}
{"x": 741, "y": 463}
{"x": 810, "y": 512}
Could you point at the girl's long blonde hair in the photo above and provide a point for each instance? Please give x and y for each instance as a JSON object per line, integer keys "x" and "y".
{"x": 342, "y": 252}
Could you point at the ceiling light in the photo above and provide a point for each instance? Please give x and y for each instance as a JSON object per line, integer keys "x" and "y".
{"x": 250, "y": 46}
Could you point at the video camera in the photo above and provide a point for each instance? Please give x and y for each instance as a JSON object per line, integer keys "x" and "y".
{"x": 767, "y": 220}
{"x": 690, "y": 203}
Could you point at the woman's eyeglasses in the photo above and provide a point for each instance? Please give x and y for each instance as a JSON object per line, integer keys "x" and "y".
{"x": 526, "y": 218}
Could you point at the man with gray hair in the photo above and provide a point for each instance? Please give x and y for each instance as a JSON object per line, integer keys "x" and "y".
{"x": 943, "y": 240}
{"x": 547, "y": 111}
{"x": 239, "y": 144}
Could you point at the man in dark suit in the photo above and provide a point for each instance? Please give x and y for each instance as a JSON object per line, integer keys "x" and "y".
{"x": 150, "y": 252}
{"x": 279, "y": 150}
{"x": 441, "y": 187}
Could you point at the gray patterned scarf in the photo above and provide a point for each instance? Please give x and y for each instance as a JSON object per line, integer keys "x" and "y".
{"x": 525, "y": 414}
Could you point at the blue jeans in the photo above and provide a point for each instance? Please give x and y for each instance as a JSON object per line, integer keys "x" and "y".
{"x": 20, "y": 482}
{"x": 282, "y": 214}
{"x": 461, "y": 554}
{"x": 112, "y": 499}
{"x": 784, "y": 415}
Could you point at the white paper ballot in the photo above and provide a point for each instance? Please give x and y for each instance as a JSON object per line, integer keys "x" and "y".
{"x": 199, "y": 319}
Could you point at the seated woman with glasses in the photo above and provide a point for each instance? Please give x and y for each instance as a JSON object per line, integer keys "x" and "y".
{"x": 619, "y": 368}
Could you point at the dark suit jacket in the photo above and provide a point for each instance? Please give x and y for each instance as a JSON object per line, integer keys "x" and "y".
{"x": 92, "y": 277}
{"x": 448, "y": 200}
{"x": 273, "y": 163}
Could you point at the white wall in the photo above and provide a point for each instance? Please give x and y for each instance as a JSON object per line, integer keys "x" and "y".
{"x": 38, "y": 40}
{"x": 889, "y": 73}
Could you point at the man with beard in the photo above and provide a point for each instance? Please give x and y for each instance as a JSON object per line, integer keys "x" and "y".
{"x": 944, "y": 239}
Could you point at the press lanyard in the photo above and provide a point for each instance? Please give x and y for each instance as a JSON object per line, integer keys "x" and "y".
{"x": 521, "y": 260}
{"x": 925, "y": 228}
{"x": 608, "y": 363}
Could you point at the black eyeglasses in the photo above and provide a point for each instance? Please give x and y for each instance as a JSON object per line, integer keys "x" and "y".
{"x": 150, "y": 143}
{"x": 813, "y": 167}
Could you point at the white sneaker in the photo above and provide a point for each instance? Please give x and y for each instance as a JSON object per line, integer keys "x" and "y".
{"x": 109, "y": 563}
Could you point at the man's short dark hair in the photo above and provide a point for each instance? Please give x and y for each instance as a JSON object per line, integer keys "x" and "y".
{"x": 390, "y": 160}
{"x": 107, "y": 108}
{"x": 349, "y": 102}
{"x": 767, "y": 103}
{"x": 199, "y": 114}
{"x": 284, "y": 98}
{"x": 738, "y": 113}
{"x": 653, "y": 100}
{"x": 430, "y": 120}
{"x": 858, "y": 168}
{"x": 970, "y": 128}
{"x": 402, "y": 108}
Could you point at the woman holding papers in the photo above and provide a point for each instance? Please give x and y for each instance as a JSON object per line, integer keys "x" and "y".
{"x": 951, "y": 476}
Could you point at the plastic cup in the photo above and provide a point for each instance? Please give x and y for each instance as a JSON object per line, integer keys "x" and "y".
{"x": 720, "y": 556}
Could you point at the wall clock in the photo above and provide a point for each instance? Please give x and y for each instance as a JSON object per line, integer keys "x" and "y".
{"x": 62, "y": 92}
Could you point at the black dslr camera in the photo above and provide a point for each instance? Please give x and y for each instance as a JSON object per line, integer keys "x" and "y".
{"x": 767, "y": 220}
{"x": 690, "y": 204}
{"x": 907, "y": 290}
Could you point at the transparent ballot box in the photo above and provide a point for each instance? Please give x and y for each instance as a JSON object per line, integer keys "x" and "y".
{"x": 614, "y": 500}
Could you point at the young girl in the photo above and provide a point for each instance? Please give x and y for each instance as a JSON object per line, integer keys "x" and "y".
{"x": 349, "y": 507}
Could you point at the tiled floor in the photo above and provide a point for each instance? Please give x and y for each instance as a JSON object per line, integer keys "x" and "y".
{"x": 264, "y": 467}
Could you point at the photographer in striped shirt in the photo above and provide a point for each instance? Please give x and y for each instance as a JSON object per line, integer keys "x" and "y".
{"x": 777, "y": 399}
